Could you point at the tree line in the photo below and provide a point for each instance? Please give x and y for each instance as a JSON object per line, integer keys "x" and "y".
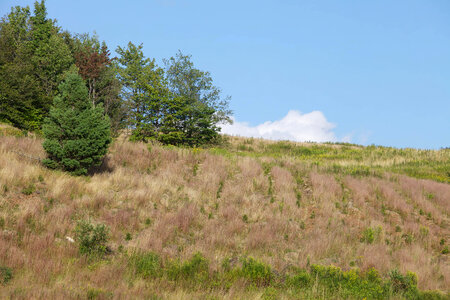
{"x": 41, "y": 65}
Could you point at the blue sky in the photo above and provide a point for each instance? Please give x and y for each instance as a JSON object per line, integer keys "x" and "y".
{"x": 369, "y": 72}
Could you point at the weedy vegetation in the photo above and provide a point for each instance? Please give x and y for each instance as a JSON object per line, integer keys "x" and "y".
{"x": 271, "y": 220}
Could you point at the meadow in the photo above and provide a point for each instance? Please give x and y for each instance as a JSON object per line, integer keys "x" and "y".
{"x": 251, "y": 219}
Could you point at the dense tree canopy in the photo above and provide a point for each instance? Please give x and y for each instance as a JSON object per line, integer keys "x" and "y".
{"x": 100, "y": 73}
{"x": 144, "y": 91}
{"x": 200, "y": 105}
{"x": 177, "y": 104}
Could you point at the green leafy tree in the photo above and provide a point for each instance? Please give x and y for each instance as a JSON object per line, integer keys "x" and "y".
{"x": 201, "y": 106}
{"x": 145, "y": 91}
{"x": 77, "y": 135}
{"x": 101, "y": 74}
{"x": 51, "y": 60}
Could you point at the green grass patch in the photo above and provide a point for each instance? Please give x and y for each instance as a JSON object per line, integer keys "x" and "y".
{"x": 331, "y": 281}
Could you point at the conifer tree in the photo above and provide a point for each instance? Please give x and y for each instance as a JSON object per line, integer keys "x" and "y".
{"x": 77, "y": 135}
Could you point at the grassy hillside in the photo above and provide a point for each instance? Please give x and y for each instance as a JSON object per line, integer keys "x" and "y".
{"x": 253, "y": 219}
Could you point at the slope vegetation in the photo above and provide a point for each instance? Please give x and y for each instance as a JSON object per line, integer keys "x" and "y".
{"x": 250, "y": 220}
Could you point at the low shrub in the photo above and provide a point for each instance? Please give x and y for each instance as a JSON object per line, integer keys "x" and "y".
{"x": 91, "y": 238}
{"x": 369, "y": 235}
{"x": 406, "y": 284}
{"x": 300, "y": 279}
{"x": 146, "y": 265}
{"x": 6, "y": 274}
{"x": 197, "y": 269}
{"x": 29, "y": 189}
{"x": 256, "y": 272}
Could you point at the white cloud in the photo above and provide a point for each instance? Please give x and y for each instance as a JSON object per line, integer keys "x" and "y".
{"x": 295, "y": 126}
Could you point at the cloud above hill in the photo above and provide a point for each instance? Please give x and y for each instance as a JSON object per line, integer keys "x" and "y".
{"x": 295, "y": 126}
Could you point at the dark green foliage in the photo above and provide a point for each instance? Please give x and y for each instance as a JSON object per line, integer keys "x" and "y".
{"x": 6, "y": 274}
{"x": 77, "y": 135}
{"x": 144, "y": 90}
{"x": 33, "y": 59}
{"x": 245, "y": 218}
{"x": 91, "y": 238}
{"x": 196, "y": 104}
{"x": 179, "y": 106}
{"x": 19, "y": 88}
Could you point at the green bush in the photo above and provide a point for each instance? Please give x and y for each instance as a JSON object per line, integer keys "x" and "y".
{"x": 147, "y": 265}
{"x": 197, "y": 268}
{"x": 91, "y": 239}
{"x": 6, "y": 274}
{"x": 29, "y": 189}
{"x": 369, "y": 235}
{"x": 256, "y": 272}
{"x": 300, "y": 279}
{"x": 403, "y": 283}
{"x": 330, "y": 275}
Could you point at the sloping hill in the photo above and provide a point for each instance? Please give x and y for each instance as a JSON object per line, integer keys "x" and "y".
{"x": 288, "y": 205}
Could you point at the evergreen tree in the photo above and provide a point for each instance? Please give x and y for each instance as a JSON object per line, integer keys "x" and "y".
{"x": 77, "y": 135}
{"x": 33, "y": 57}
{"x": 19, "y": 88}
{"x": 51, "y": 55}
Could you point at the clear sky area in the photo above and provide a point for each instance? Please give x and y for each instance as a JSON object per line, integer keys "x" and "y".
{"x": 366, "y": 72}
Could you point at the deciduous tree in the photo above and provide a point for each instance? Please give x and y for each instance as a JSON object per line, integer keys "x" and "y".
{"x": 145, "y": 91}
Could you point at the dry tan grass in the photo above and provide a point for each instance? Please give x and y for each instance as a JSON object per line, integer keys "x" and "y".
{"x": 196, "y": 201}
